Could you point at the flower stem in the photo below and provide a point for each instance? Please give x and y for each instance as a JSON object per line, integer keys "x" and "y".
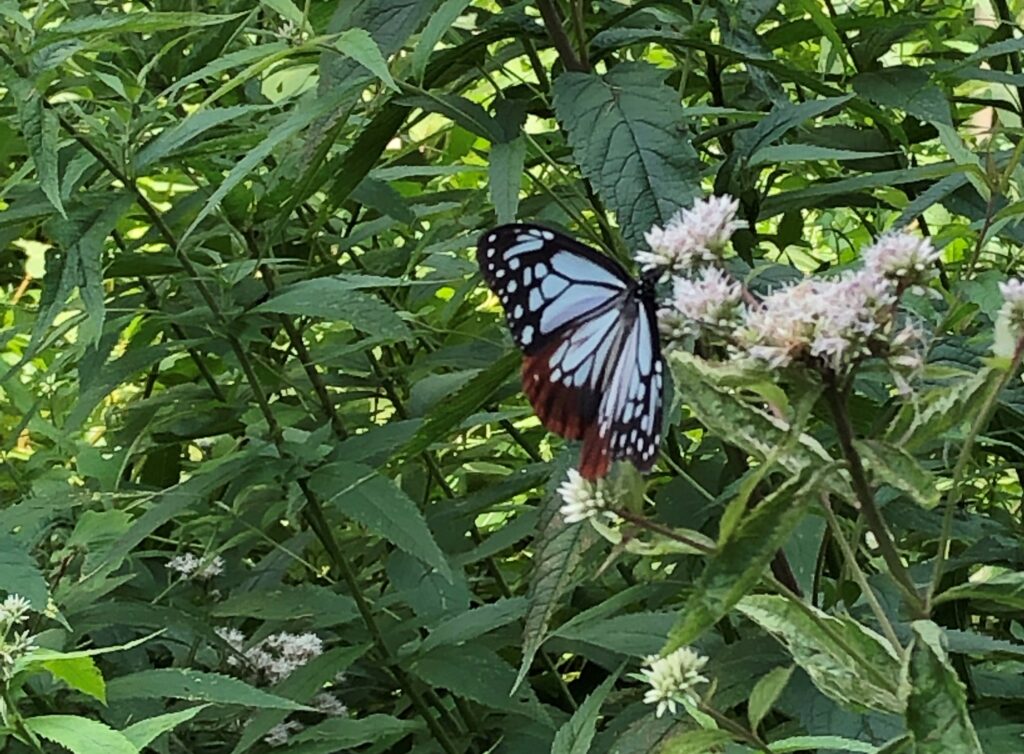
{"x": 866, "y": 498}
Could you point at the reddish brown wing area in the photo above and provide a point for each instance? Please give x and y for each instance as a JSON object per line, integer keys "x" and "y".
{"x": 568, "y": 411}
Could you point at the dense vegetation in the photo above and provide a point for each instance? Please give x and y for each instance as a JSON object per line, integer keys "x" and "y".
{"x": 269, "y": 479}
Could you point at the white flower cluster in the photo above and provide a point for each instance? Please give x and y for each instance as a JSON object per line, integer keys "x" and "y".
{"x": 583, "y": 499}
{"x": 191, "y": 567}
{"x": 13, "y": 644}
{"x": 274, "y": 658}
{"x": 692, "y": 236}
{"x": 1013, "y": 305}
{"x": 673, "y": 679}
{"x": 14, "y": 609}
{"x": 830, "y": 322}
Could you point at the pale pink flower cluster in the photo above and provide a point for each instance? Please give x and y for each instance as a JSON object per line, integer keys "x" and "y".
{"x": 902, "y": 257}
{"x": 191, "y": 567}
{"x": 280, "y": 734}
{"x": 692, "y": 236}
{"x": 832, "y": 322}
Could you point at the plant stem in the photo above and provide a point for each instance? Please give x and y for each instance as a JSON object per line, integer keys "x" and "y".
{"x": 859, "y": 577}
{"x": 869, "y": 509}
{"x": 737, "y": 730}
{"x": 953, "y": 496}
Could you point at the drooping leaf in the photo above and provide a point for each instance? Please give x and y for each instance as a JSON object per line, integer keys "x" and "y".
{"x": 438, "y": 24}
{"x": 473, "y": 623}
{"x": 80, "y": 673}
{"x": 376, "y": 502}
{"x": 908, "y": 89}
{"x": 937, "y": 714}
{"x": 347, "y": 733}
{"x": 624, "y": 132}
{"x": 141, "y": 23}
{"x": 39, "y": 128}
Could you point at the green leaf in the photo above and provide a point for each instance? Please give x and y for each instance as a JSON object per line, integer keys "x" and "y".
{"x": 907, "y": 89}
{"x": 194, "y": 686}
{"x": 143, "y": 23}
{"x": 779, "y": 153}
{"x": 897, "y": 468}
{"x": 80, "y": 735}
{"x": 577, "y": 733}
{"x": 477, "y": 673}
{"x": 1005, "y": 589}
{"x": 937, "y": 714}
{"x": 783, "y": 118}
{"x": 505, "y": 171}
{"x": 19, "y": 573}
{"x": 287, "y": 10}
{"x": 306, "y": 110}
{"x": 743, "y": 558}
{"x": 145, "y": 732}
{"x": 359, "y": 45}
{"x": 39, "y": 128}
{"x": 696, "y": 742}
{"x": 558, "y": 551}
{"x": 381, "y": 196}
{"x": 79, "y": 673}
{"x": 765, "y": 693}
{"x": 821, "y": 744}
{"x": 466, "y": 113}
{"x": 624, "y": 132}
{"x": 376, "y": 502}
{"x": 440, "y": 22}
{"x": 347, "y": 733}
{"x": 333, "y": 299}
{"x": 845, "y": 660}
{"x": 187, "y": 130}
{"x": 634, "y": 634}
{"x": 473, "y": 623}
{"x": 307, "y": 602}
{"x": 466, "y": 401}
{"x": 711, "y": 396}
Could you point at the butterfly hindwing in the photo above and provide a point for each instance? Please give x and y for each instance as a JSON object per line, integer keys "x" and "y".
{"x": 593, "y": 365}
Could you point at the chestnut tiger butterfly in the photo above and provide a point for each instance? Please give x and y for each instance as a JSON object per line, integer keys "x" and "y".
{"x": 592, "y": 365}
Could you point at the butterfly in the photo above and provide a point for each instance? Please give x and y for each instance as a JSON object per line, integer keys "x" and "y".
{"x": 592, "y": 365}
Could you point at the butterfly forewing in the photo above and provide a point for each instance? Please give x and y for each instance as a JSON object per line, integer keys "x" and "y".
{"x": 545, "y": 280}
{"x": 593, "y": 365}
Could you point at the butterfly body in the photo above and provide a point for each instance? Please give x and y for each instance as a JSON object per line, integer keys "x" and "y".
{"x": 592, "y": 368}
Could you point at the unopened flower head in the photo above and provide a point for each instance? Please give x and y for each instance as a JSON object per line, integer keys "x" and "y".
{"x": 191, "y": 567}
{"x": 282, "y": 732}
{"x": 712, "y": 300}
{"x": 1013, "y": 305}
{"x": 901, "y": 256}
{"x": 583, "y": 499}
{"x": 673, "y": 679}
{"x": 14, "y": 609}
{"x": 329, "y": 705}
{"x": 693, "y": 235}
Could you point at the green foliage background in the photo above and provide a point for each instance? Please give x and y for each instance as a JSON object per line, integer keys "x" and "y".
{"x": 242, "y": 319}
